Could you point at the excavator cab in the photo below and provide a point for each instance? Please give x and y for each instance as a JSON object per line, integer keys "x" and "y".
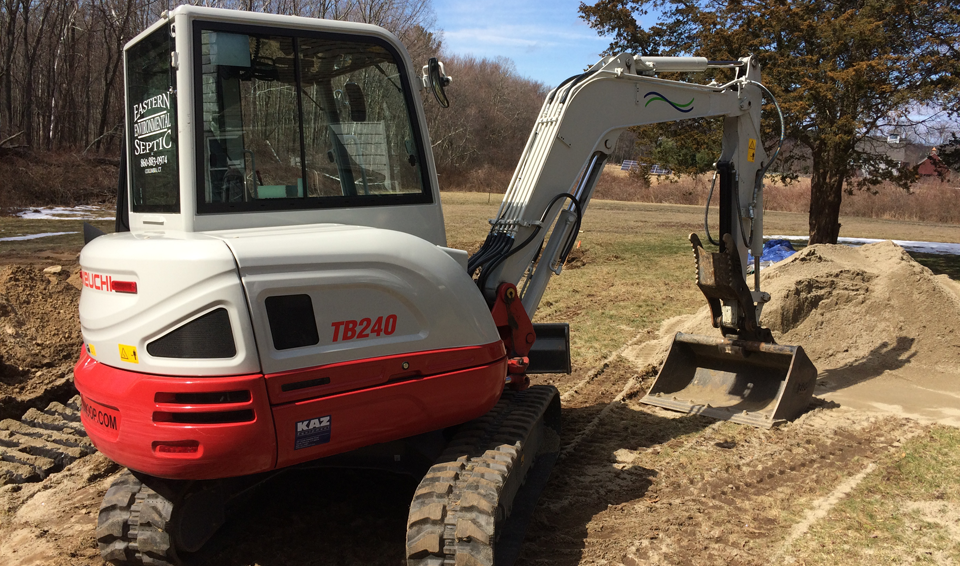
{"x": 235, "y": 122}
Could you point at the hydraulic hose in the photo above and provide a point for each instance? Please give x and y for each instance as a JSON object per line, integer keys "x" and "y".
{"x": 485, "y": 273}
{"x": 499, "y": 243}
{"x": 776, "y": 104}
{"x": 560, "y": 86}
{"x": 576, "y": 81}
{"x": 763, "y": 170}
{"x": 758, "y": 181}
{"x": 576, "y": 228}
{"x": 706, "y": 212}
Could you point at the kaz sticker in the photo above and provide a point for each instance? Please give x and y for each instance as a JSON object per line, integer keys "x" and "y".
{"x": 312, "y": 432}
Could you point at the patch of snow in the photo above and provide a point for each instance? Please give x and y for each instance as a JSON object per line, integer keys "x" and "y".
{"x": 34, "y": 236}
{"x": 909, "y": 245}
{"x": 85, "y": 212}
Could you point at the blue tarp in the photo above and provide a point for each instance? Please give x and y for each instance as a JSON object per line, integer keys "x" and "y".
{"x": 774, "y": 251}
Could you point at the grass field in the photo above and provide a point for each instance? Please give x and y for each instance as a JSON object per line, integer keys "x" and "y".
{"x": 633, "y": 269}
{"x": 16, "y": 227}
{"x": 904, "y": 512}
{"x": 930, "y": 200}
{"x": 636, "y": 267}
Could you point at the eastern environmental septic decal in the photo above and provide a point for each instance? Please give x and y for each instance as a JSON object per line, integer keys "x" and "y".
{"x": 152, "y": 132}
{"x": 657, "y": 96}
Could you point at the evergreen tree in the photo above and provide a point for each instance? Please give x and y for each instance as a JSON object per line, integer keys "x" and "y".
{"x": 841, "y": 69}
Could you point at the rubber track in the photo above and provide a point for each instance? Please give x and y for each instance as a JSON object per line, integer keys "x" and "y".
{"x": 42, "y": 442}
{"x": 132, "y": 528}
{"x": 457, "y": 507}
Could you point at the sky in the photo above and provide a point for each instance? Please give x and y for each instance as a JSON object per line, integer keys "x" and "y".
{"x": 546, "y": 39}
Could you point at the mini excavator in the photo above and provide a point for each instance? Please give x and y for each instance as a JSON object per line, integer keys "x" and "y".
{"x": 279, "y": 294}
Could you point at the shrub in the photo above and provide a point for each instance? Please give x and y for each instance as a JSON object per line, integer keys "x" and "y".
{"x": 55, "y": 179}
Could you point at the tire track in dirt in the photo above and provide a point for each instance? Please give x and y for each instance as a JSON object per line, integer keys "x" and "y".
{"x": 591, "y": 375}
{"x": 327, "y": 515}
{"x": 42, "y": 442}
{"x": 640, "y": 485}
{"x": 822, "y": 507}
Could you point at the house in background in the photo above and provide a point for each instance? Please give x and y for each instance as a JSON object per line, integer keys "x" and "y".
{"x": 899, "y": 153}
{"x": 932, "y": 167}
{"x": 903, "y": 153}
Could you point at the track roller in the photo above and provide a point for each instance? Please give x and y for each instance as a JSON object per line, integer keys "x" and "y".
{"x": 146, "y": 521}
{"x": 462, "y": 505}
{"x": 132, "y": 527}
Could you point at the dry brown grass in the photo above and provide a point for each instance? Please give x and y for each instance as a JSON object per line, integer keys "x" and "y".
{"x": 618, "y": 185}
{"x": 927, "y": 201}
{"x": 483, "y": 179}
{"x": 55, "y": 179}
{"x": 61, "y": 179}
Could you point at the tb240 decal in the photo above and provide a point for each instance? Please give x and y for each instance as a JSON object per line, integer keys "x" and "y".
{"x": 364, "y": 328}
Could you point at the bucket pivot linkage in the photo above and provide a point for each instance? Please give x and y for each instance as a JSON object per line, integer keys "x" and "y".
{"x": 743, "y": 376}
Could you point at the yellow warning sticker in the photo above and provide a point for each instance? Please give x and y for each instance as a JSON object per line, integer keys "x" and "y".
{"x": 91, "y": 350}
{"x": 752, "y": 150}
{"x": 129, "y": 354}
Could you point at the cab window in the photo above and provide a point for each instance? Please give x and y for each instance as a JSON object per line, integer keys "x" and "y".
{"x": 303, "y": 121}
{"x": 151, "y": 124}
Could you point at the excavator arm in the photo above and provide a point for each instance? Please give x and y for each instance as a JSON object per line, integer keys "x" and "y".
{"x": 742, "y": 376}
{"x": 575, "y": 133}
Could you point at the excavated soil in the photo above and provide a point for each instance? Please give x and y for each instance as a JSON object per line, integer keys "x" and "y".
{"x": 883, "y": 331}
{"x": 633, "y": 485}
{"x": 39, "y": 335}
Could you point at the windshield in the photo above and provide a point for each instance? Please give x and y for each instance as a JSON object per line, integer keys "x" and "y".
{"x": 151, "y": 124}
{"x": 303, "y": 122}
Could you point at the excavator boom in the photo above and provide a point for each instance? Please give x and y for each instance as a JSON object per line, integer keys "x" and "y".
{"x": 575, "y": 133}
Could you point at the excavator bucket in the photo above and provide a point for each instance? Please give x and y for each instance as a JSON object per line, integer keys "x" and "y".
{"x": 753, "y": 383}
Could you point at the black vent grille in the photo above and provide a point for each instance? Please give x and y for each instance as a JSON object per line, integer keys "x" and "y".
{"x": 221, "y": 417}
{"x": 212, "y": 398}
{"x": 296, "y": 385}
{"x": 292, "y": 322}
{"x": 209, "y": 336}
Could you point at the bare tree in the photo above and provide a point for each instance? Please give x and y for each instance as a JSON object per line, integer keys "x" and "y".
{"x": 61, "y": 75}
{"x": 9, "y": 16}
{"x": 495, "y": 110}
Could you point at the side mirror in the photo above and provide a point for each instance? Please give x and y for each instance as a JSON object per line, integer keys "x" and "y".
{"x": 436, "y": 79}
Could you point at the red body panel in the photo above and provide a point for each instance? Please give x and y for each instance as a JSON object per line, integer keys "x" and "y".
{"x": 141, "y": 420}
{"x": 230, "y": 449}
{"x": 391, "y": 411}
{"x": 376, "y": 371}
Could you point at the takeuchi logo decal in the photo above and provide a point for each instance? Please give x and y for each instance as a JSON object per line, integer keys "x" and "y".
{"x": 657, "y": 96}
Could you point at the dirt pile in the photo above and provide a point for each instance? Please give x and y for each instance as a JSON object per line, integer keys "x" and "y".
{"x": 871, "y": 307}
{"x": 39, "y": 335}
{"x": 860, "y": 314}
